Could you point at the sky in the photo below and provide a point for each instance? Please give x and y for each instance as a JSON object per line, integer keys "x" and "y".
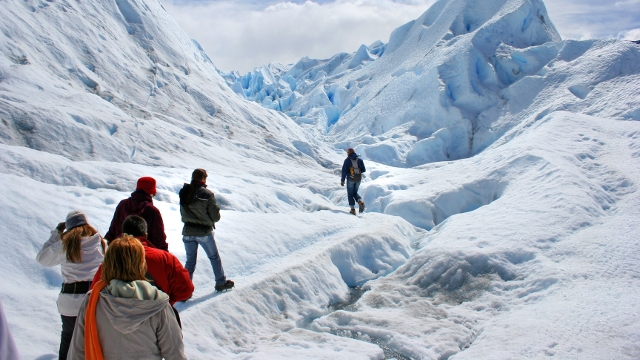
{"x": 243, "y": 34}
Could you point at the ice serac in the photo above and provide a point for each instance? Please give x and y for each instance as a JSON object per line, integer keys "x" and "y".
{"x": 426, "y": 96}
{"x": 306, "y": 91}
{"x": 446, "y": 85}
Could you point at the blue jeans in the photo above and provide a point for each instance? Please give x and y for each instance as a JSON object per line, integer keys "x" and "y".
{"x": 209, "y": 245}
{"x": 352, "y": 192}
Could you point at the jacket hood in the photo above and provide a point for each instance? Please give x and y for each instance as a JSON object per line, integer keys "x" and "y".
{"x": 129, "y": 304}
{"x": 353, "y": 156}
{"x": 89, "y": 243}
{"x": 138, "y": 203}
{"x": 188, "y": 192}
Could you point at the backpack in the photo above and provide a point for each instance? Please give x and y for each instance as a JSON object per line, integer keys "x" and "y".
{"x": 356, "y": 174}
{"x": 187, "y": 194}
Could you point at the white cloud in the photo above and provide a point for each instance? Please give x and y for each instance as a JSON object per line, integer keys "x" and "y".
{"x": 633, "y": 34}
{"x": 240, "y": 36}
{"x": 589, "y": 19}
{"x": 626, "y": 3}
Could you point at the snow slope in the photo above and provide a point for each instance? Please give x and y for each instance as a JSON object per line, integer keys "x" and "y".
{"x": 122, "y": 68}
{"x": 545, "y": 262}
{"x": 521, "y": 244}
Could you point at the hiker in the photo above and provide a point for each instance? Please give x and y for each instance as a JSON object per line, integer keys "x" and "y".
{"x": 141, "y": 203}
{"x": 352, "y": 170}
{"x": 124, "y": 316}
{"x": 78, "y": 248}
{"x": 8, "y": 349}
{"x": 164, "y": 270}
{"x": 200, "y": 212}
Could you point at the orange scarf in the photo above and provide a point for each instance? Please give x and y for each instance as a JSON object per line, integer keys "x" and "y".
{"x": 92, "y": 350}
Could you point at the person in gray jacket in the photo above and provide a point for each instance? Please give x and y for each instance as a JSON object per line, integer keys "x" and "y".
{"x": 200, "y": 212}
{"x": 124, "y": 316}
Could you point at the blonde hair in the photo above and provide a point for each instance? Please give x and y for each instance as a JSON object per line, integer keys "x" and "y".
{"x": 71, "y": 241}
{"x": 124, "y": 260}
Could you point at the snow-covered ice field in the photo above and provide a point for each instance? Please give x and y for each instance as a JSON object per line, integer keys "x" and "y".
{"x": 502, "y": 185}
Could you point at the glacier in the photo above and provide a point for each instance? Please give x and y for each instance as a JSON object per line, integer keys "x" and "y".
{"x": 501, "y": 194}
{"x": 443, "y": 88}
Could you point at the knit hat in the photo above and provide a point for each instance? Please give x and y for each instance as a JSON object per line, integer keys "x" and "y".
{"x": 350, "y": 151}
{"x": 147, "y": 184}
{"x": 74, "y": 219}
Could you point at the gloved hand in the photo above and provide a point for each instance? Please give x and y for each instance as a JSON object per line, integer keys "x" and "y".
{"x": 61, "y": 226}
{"x": 342, "y": 183}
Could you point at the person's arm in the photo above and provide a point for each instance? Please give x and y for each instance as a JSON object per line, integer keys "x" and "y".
{"x": 52, "y": 253}
{"x": 180, "y": 285}
{"x": 8, "y": 349}
{"x": 169, "y": 335}
{"x": 213, "y": 210}
{"x": 113, "y": 232}
{"x": 362, "y": 168}
{"x": 156, "y": 233}
{"x": 345, "y": 171}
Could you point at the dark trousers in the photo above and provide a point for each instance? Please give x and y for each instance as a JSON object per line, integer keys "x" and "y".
{"x": 68, "y": 323}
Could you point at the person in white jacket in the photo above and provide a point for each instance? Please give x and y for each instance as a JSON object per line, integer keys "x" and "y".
{"x": 79, "y": 250}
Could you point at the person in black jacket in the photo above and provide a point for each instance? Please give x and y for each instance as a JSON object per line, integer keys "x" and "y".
{"x": 352, "y": 170}
{"x": 140, "y": 203}
{"x": 200, "y": 212}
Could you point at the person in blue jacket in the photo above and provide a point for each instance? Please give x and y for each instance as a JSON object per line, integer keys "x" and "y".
{"x": 352, "y": 170}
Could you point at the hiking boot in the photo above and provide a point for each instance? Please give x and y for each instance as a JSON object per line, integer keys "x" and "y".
{"x": 361, "y": 206}
{"x": 352, "y": 211}
{"x": 227, "y": 286}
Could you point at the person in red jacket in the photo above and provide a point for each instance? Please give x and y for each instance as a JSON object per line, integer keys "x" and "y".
{"x": 140, "y": 203}
{"x": 164, "y": 270}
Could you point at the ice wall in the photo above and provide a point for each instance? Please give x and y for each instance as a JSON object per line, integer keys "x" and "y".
{"x": 304, "y": 91}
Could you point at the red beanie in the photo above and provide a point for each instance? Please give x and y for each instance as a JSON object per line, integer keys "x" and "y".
{"x": 147, "y": 184}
